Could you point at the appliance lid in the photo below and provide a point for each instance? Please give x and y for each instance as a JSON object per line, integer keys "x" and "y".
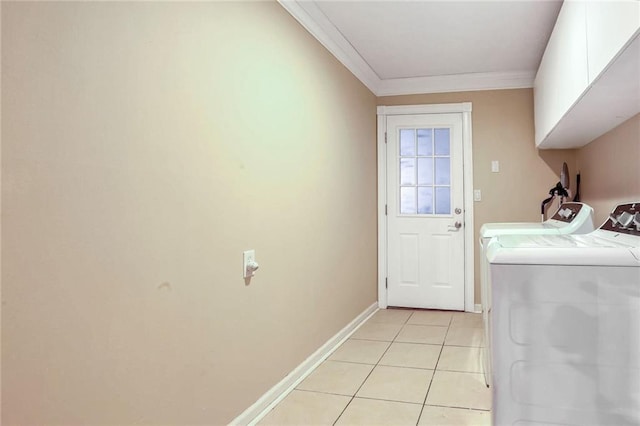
{"x": 599, "y": 248}
{"x": 489, "y": 230}
{"x": 570, "y": 218}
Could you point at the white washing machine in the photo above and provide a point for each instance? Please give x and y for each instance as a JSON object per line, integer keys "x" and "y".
{"x": 570, "y": 218}
{"x": 565, "y": 322}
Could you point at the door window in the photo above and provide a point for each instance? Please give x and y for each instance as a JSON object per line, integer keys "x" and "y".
{"x": 425, "y": 171}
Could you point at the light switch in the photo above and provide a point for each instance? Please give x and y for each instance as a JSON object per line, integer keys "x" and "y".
{"x": 477, "y": 195}
{"x": 495, "y": 166}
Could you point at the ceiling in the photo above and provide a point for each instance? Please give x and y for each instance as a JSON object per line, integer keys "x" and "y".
{"x": 401, "y": 47}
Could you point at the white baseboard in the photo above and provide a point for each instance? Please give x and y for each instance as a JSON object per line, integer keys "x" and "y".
{"x": 277, "y": 393}
{"x": 478, "y": 308}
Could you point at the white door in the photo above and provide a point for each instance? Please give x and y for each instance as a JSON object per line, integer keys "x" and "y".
{"x": 425, "y": 211}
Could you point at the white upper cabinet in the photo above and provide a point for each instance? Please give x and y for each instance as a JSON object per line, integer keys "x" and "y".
{"x": 562, "y": 76}
{"x": 610, "y": 25}
{"x": 589, "y": 78}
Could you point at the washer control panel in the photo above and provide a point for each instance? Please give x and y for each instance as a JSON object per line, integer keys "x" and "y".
{"x": 625, "y": 218}
{"x": 567, "y": 212}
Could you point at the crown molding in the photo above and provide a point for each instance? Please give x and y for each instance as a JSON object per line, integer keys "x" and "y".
{"x": 309, "y": 15}
{"x": 314, "y": 20}
{"x": 456, "y": 83}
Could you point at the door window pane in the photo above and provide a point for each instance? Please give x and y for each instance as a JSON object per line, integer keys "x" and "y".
{"x": 442, "y": 141}
{"x": 443, "y": 171}
{"x": 443, "y": 200}
{"x": 407, "y": 142}
{"x": 425, "y": 171}
{"x": 407, "y": 171}
{"x": 425, "y": 200}
{"x": 425, "y": 142}
{"x": 408, "y": 200}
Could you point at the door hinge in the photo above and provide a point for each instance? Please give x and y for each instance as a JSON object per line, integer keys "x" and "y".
{"x": 385, "y": 210}
{"x": 386, "y": 283}
{"x": 385, "y": 137}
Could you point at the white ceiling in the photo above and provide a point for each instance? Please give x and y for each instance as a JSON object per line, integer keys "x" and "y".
{"x": 399, "y": 47}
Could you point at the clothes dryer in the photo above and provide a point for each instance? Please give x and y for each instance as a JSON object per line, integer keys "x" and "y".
{"x": 565, "y": 322}
{"x": 570, "y": 218}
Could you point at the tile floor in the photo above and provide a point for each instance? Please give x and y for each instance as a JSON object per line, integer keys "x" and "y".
{"x": 401, "y": 367}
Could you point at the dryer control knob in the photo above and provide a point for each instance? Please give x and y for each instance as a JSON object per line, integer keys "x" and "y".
{"x": 625, "y": 219}
{"x": 566, "y": 213}
{"x": 614, "y": 220}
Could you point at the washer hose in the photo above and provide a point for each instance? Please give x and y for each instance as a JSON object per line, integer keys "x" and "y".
{"x": 556, "y": 190}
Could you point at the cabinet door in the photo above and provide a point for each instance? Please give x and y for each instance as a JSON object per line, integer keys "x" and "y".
{"x": 610, "y": 25}
{"x": 562, "y": 76}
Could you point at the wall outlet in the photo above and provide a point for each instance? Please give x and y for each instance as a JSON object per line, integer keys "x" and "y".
{"x": 495, "y": 166}
{"x": 477, "y": 195}
{"x": 249, "y": 264}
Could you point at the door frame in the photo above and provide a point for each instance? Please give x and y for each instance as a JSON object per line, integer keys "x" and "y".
{"x": 467, "y": 163}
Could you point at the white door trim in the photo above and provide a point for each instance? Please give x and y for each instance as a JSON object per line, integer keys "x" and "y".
{"x": 465, "y": 110}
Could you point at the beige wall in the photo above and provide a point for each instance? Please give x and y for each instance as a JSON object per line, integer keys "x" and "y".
{"x": 145, "y": 146}
{"x": 503, "y": 131}
{"x": 609, "y": 170}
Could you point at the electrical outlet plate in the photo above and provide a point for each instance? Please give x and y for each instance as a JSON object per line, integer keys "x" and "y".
{"x": 247, "y": 256}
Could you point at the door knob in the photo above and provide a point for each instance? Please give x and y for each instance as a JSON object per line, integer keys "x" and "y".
{"x": 455, "y": 226}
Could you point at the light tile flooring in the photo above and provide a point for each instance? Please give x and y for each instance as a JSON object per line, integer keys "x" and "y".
{"x": 401, "y": 367}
